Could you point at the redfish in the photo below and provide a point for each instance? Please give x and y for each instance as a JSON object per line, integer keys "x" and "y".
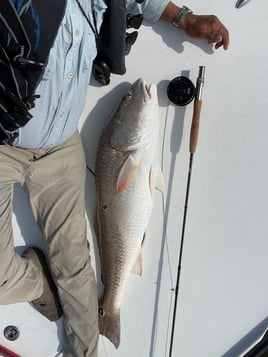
{"x": 127, "y": 172}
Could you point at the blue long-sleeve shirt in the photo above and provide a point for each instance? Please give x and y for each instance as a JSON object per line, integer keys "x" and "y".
{"x": 63, "y": 87}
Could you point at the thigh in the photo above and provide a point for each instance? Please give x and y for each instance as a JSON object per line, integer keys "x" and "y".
{"x": 56, "y": 188}
{"x": 11, "y": 171}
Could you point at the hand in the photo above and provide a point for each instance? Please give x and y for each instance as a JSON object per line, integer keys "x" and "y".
{"x": 206, "y": 27}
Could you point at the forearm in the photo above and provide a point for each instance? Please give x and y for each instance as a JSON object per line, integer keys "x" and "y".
{"x": 170, "y": 12}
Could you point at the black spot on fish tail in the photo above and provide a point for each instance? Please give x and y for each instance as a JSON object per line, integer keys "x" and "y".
{"x": 109, "y": 325}
{"x": 101, "y": 311}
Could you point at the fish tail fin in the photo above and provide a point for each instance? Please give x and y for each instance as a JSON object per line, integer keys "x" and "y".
{"x": 109, "y": 325}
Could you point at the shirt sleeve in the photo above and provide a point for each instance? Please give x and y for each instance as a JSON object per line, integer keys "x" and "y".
{"x": 151, "y": 9}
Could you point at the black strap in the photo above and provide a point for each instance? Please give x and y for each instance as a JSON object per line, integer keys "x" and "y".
{"x": 11, "y": 20}
{"x": 9, "y": 59}
{"x": 112, "y": 33}
{"x": 26, "y": 38}
{"x": 14, "y": 107}
{"x": 115, "y": 42}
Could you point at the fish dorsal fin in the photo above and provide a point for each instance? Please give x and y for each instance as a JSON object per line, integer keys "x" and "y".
{"x": 156, "y": 180}
{"x": 126, "y": 174}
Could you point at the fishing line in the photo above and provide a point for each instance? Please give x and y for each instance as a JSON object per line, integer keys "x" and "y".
{"x": 90, "y": 170}
{"x": 192, "y": 149}
{"x": 163, "y": 195}
{"x": 164, "y": 248}
{"x": 165, "y": 245}
{"x": 176, "y": 89}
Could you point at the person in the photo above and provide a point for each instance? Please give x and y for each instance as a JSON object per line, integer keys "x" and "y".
{"x": 46, "y": 158}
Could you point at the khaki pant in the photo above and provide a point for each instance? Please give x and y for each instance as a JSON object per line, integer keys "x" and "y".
{"x": 54, "y": 180}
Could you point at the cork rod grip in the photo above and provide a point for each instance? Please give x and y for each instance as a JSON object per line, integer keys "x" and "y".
{"x": 195, "y": 125}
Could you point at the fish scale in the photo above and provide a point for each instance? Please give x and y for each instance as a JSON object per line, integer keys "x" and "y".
{"x": 131, "y": 228}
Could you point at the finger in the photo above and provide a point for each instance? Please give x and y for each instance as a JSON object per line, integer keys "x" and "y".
{"x": 224, "y": 42}
{"x": 220, "y": 39}
{"x": 214, "y": 37}
{"x": 225, "y": 39}
{"x": 219, "y": 44}
{"x": 219, "y": 34}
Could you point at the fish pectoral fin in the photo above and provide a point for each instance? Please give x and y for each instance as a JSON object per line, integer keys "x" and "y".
{"x": 127, "y": 174}
{"x": 156, "y": 180}
{"x": 137, "y": 267}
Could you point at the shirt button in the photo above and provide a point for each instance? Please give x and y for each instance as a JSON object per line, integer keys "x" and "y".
{"x": 77, "y": 32}
{"x": 70, "y": 75}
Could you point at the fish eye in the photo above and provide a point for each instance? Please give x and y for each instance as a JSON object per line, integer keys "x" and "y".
{"x": 129, "y": 95}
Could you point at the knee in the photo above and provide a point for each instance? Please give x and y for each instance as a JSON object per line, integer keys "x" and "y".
{"x": 6, "y": 272}
{"x": 71, "y": 265}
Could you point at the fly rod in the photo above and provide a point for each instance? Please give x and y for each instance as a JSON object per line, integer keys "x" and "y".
{"x": 192, "y": 149}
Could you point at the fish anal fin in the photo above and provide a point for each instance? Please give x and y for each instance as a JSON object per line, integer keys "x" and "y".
{"x": 156, "y": 180}
{"x": 109, "y": 325}
{"x": 126, "y": 174}
{"x": 137, "y": 267}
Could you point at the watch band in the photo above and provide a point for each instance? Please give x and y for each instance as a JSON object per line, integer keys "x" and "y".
{"x": 183, "y": 11}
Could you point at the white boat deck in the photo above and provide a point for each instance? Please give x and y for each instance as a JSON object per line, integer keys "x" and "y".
{"x": 223, "y": 287}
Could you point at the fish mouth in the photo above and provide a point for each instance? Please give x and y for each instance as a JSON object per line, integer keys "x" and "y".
{"x": 149, "y": 91}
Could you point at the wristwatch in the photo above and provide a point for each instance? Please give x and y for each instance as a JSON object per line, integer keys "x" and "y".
{"x": 183, "y": 11}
